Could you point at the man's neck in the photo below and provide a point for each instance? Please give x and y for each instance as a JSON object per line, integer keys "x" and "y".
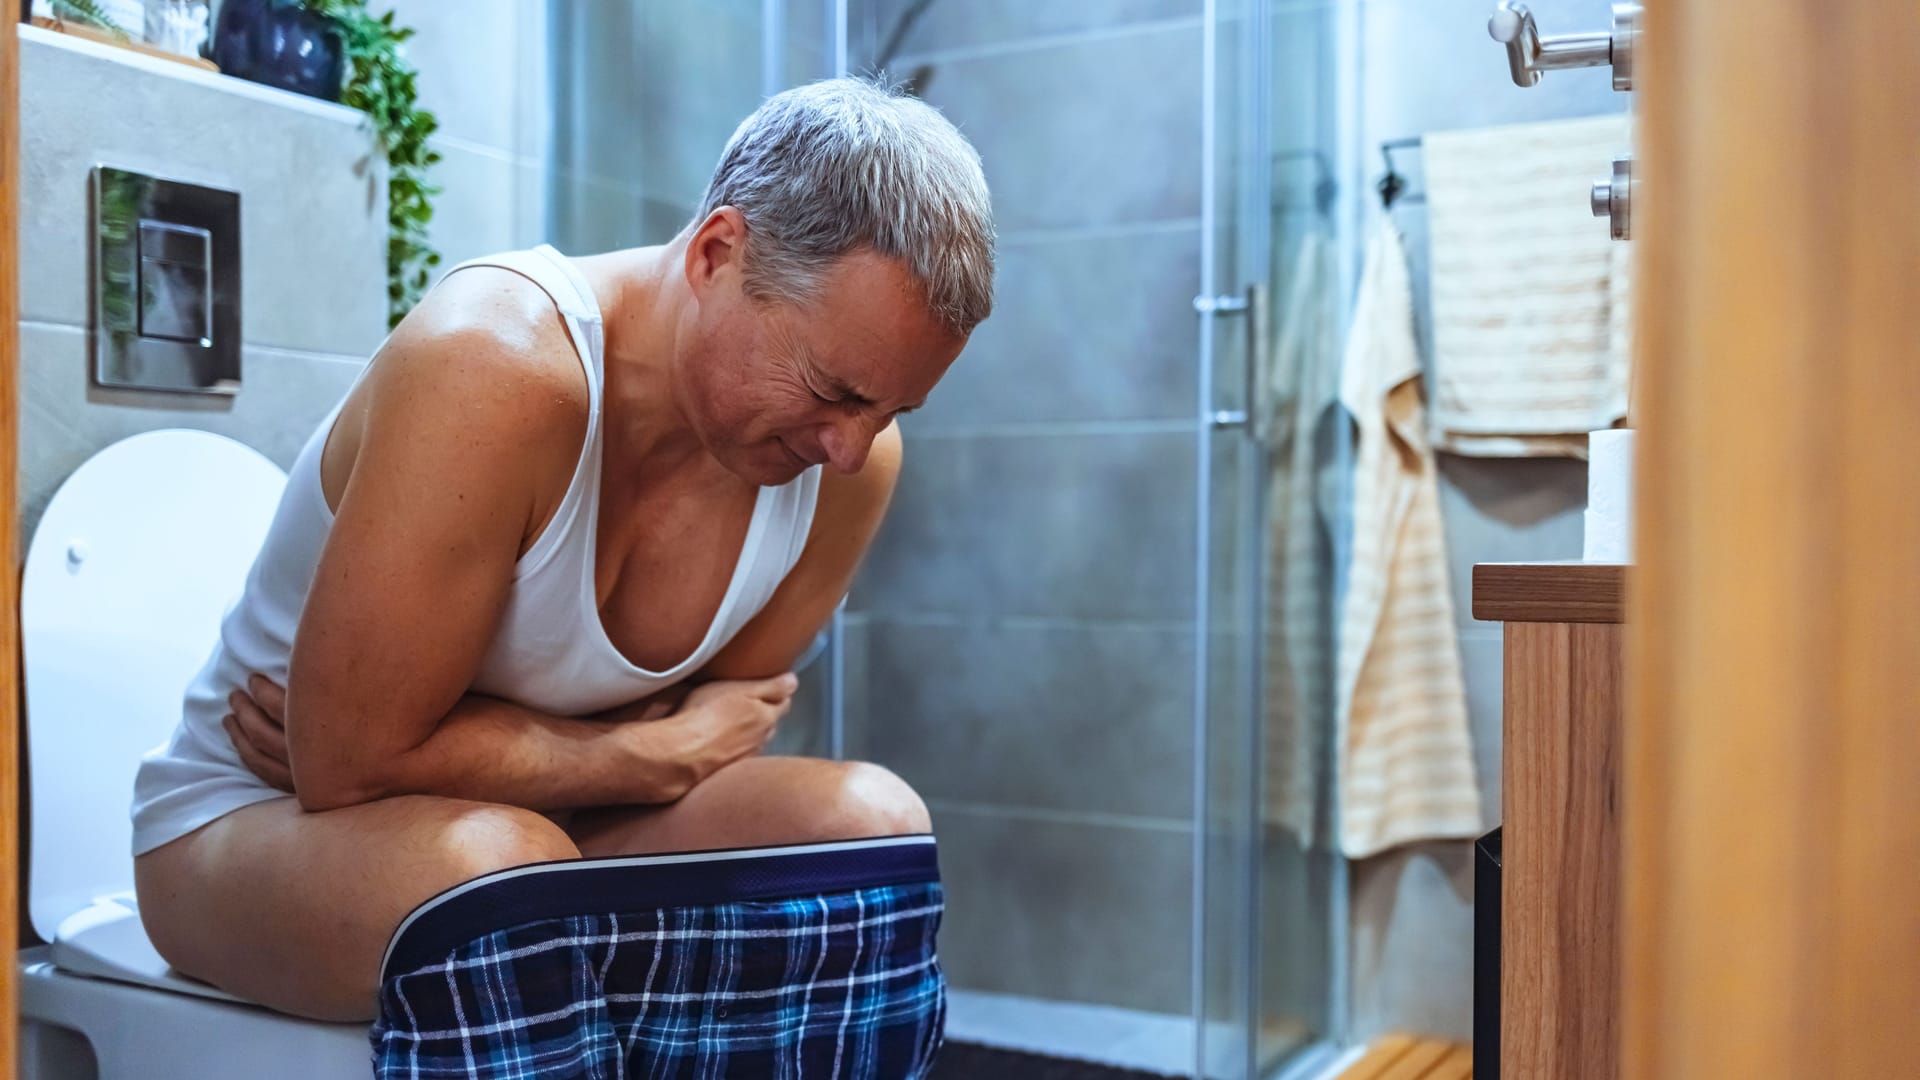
{"x": 642, "y": 297}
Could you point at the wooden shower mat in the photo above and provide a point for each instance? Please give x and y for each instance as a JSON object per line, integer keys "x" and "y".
{"x": 1401, "y": 1057}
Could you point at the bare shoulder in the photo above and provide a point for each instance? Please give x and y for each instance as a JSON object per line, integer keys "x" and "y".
{"x": 495, "y": 335}
{"x": 482, "y": 369}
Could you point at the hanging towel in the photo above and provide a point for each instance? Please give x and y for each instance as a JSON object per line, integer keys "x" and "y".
{"x": 1531, "y": 321}
{"x": 1301, "y": 410}
{"x": 1406, "y": 758}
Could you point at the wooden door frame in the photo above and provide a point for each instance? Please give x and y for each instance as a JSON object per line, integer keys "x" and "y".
{"x": 10, "y": 690}
{"x": 1772, "y": 798}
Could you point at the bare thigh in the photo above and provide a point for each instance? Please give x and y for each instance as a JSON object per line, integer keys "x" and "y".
{"x": 761, "y": 801}
{"x": 293, "y": 910}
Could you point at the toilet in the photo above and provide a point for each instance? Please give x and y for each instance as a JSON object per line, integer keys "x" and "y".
{"x": 129, "y": 573}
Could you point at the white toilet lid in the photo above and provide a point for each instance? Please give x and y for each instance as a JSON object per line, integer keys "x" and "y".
{"x": 133, "y": 566}
{"x": 108, "y": 941}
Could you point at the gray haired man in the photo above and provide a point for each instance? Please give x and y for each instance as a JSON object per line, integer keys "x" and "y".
{"x": 553, "y": 558}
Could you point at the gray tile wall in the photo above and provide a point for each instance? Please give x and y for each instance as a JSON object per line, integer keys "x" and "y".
{"x": 313, "y": 250}
{"x": 1026, "y": 611}
{"x": 646, "y": 101}
{"x": 483, "y": 72}
{"x": 1427, "y": 65}
{"x": 1072, "y": 907}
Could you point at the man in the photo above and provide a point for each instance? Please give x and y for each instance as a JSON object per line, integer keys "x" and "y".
{"x": 564, "y": 492}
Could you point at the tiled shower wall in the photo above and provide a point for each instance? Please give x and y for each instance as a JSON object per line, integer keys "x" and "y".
{"x": 643, "y": 98}
{"x": 1021, "y": 633}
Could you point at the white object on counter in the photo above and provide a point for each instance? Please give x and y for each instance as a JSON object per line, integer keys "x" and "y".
{"x": 128, "y": 15}
{"x": 1610, "y": 496}
{"x": 178, "y": 26}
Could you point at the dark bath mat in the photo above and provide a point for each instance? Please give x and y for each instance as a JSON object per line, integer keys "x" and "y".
{"x": 970, "y": 1061}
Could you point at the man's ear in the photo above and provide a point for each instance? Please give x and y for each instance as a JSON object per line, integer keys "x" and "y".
{"x": 715, "y": 249}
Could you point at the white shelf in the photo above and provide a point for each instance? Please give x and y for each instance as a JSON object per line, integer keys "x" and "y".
{"x": 35, "y": 35}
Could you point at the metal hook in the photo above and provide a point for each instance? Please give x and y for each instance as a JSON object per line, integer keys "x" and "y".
{"x": 1393, "y": 186}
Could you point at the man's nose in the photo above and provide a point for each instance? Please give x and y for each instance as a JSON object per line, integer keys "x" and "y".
{"x": 847, "y": 442}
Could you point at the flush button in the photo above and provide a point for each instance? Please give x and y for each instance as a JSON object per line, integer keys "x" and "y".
{"x": 176, "y": 285}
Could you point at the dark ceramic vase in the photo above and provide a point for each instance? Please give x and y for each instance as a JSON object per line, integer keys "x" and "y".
{"x": 282, "y": 44}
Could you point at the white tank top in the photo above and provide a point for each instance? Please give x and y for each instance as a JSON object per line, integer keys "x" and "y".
{"x": 550, "y": 652}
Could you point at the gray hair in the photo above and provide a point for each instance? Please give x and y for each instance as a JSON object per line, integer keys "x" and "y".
{"x": 842, "y": 165}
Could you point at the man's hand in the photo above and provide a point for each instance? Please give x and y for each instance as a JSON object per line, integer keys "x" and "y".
{"x": 733, "y": 719}
{"x": 257, "y": 726}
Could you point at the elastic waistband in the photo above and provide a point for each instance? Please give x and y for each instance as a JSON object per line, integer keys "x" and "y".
{"x": 559, "y": 890}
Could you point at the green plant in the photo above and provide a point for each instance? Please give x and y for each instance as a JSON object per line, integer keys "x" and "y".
{"x": 87, "y": 13}
{"x": 382, "y": 84}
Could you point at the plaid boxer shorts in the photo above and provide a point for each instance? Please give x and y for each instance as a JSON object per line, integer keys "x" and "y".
{"x": 792, "y": 963}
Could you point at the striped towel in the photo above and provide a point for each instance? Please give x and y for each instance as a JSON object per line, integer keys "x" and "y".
{"x": 812, "y": 961}
{"x": 1405, "y": 755}
{"x": 1531, "y": 321}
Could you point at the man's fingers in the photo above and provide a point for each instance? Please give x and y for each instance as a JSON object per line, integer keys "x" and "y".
{"x": 270, "y": 696}
{"x": 266, "y": 736}
{"x": 273, "y": 772}
{"x": 777, "y": 689}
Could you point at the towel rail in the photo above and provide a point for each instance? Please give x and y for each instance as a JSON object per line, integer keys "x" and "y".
{"x": 1529, "y": 54}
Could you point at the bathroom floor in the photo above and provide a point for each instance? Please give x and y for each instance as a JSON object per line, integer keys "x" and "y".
{"x": 1403, "y": 1057}
{"x": 970, "y": 1061}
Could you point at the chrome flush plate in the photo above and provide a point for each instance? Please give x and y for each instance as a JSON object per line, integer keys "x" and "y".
{"x": 166, "y": 284}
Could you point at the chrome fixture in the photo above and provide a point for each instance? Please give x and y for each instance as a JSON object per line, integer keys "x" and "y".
{"x": 1529, "y": 54}
{"x": 1393, "y": 186}
{"x": 1614, "y": 198}
{"x": 1252, "y": 304}
{"x": 166, "y": 284}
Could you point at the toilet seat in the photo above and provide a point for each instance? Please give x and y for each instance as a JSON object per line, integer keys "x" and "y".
{"x": 130, "y": 571}
{"x": 107, "y": 941}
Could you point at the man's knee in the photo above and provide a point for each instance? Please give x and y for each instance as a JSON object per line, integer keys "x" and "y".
{"x": 873, "y": 801}
{"x": 480, "y": 839}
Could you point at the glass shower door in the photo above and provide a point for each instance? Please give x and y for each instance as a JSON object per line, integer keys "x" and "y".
{"x": 1271, "y": 938}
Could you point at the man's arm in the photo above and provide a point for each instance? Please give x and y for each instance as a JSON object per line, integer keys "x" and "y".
{"x": 681, "y": 735}
{"x": 458, "y": 432}
{"x": 844, "y": 523}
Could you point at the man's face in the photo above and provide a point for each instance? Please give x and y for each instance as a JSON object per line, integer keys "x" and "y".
{"x": 773, "y": 389}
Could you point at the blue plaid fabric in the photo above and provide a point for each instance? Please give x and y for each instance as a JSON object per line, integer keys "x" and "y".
{"x": 842, "y": 983}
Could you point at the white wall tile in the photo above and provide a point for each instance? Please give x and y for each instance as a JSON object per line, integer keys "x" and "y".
{"x": 1413, "y": 942}
{"x": 479, "y": 211}
{"x": 468, "y": 56}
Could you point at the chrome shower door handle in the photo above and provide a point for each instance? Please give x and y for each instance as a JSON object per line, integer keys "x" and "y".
{"x": 1255, "y": 411}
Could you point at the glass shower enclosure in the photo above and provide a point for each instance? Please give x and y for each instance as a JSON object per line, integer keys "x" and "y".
{"x": 1271, "y": 978}
{"x": 1225, "y": 892}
